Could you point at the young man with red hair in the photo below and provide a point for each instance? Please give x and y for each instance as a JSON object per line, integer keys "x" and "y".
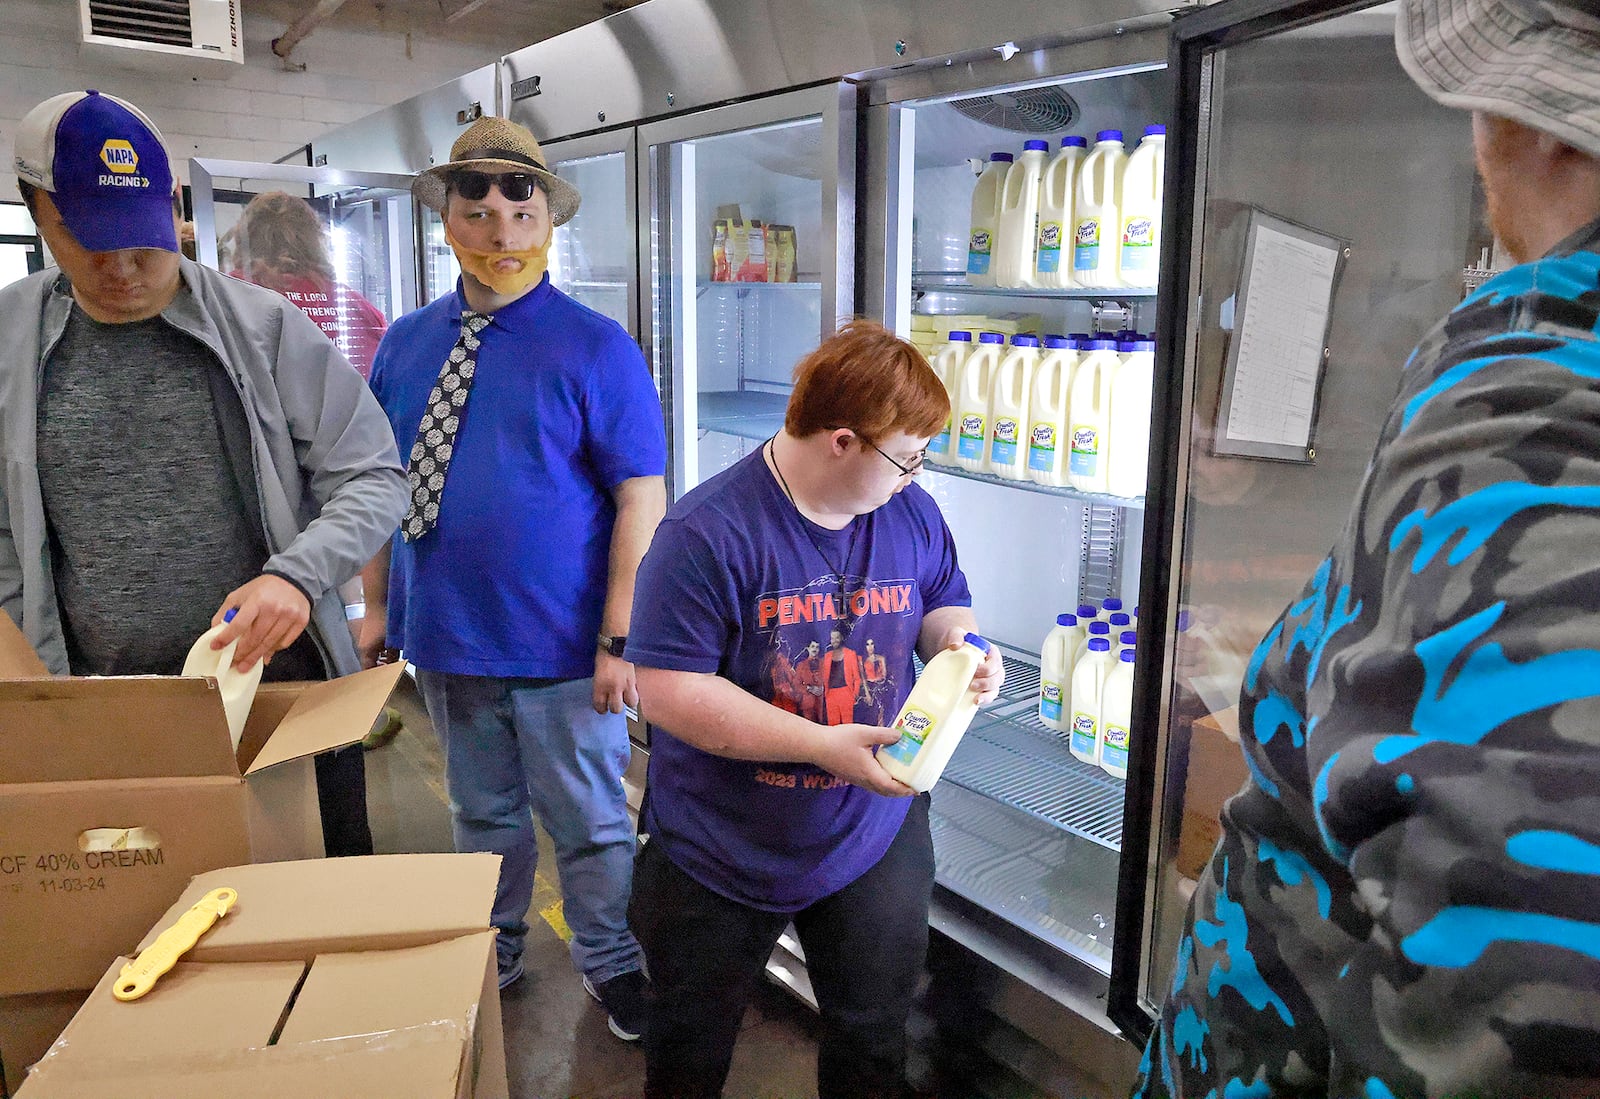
{"x": 756, "y": 815}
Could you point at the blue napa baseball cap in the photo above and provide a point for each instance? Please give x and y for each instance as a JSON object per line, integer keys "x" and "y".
{"x": 105, "y": 167}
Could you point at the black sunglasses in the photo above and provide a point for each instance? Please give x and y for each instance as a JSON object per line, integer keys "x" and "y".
{"x": 516, "y": 186}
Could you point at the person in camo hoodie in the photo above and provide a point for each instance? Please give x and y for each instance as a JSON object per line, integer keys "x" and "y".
{"x": 1406, "y": 896}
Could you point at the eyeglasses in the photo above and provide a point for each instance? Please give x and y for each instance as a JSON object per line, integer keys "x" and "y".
{"x": 516, "y": 186}
{"x": 905, "y": 471}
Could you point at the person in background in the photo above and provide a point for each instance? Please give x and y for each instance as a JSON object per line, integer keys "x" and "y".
{"x": 280, "y": 243}
{"x": 536, "y": 456}
{"x": 758, "y": 816}
{"x": 1404, "y": 899}
{"x": 179, "y": 444}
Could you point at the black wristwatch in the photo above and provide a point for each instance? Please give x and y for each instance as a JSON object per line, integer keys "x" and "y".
{"x": 613, "y": 644}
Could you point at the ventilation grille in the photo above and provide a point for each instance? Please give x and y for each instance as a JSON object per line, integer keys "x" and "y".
{"x": 161, "y": 22}
{"x": 1030, "y": 111}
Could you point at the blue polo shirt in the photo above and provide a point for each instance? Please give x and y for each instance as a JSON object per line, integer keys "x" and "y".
{"x": 512, "y": 582}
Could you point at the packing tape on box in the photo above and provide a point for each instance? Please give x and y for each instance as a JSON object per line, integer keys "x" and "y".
{"x": 119, "y": 839}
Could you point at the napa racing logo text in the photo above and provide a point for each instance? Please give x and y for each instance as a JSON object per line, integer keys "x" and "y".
{"x": 119, "y": 156}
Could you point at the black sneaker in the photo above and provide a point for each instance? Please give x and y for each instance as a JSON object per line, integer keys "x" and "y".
{"x": 623, "y": 998}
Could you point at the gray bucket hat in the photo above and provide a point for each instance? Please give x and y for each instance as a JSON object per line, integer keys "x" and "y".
{"x": 1533, "y": 61}
{"x": 494, "y": 144}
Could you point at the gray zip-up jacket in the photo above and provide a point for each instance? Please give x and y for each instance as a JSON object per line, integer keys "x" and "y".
{"x": 328, "y": 480}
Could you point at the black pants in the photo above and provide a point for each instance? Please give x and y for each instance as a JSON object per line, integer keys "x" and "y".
{"x": 342, "y": 801}
{"x": 865, "y": 947}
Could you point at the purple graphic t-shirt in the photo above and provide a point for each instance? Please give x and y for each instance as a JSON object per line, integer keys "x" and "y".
{"x": 734, "y": 586}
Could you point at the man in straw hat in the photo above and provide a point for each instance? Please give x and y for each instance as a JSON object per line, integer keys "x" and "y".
{"x": 1406, "y": 897}
{"x": 536, "y": 456}
{"x": 178, "y": 445}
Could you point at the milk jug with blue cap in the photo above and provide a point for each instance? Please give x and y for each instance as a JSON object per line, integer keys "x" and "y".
{"x": 1132, "y": 394}
{"x": 1047, "y": 411}
{"x": 1096, "y": 212}
{"x": 972, "y": 407}
{"x": 986, "y": 220}
{"x": 1055, "y": 671}
{"x": 1008, "y": 409}
{"x": 935, "y": 715}
{"x": 1088, "y": 688}
{"x": 1089, "y": 415}
{"x": 1057, "y": 188}
{"x": 1015, "y": 255}
{"x": 1141, "y": 209}
{"x": 947, "y": 364}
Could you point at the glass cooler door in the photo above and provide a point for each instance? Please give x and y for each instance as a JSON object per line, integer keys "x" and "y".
{"x": 1322, "y": 212}
{"x": 751, "y": 261}
{"x": 595, "y": 256}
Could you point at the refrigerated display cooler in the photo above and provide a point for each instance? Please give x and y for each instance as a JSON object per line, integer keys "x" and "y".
{"x": 1061, "y": 890}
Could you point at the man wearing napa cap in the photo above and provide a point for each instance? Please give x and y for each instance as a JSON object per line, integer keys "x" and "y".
{"x": 536, "y": 454}
{"x": 178, "y": 444}
{"x": 1406, "y": 897}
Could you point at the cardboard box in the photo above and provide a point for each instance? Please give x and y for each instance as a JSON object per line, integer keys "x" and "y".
{"x": 28, "y": 1025}
{"x": 1215, "y": 773}
{"x": 356, "y": 977}
{"x": 115, "y": 791}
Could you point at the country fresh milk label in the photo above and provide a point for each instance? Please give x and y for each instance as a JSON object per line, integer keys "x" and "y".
{"x": 978, "y": 249}
{"x": 1084, "y": 459}
{"x": 1042, "y": 448}
{"x": 1050, "y": 701}
{"x": 1083, "y": 733}
{"x": 914, "y": 727}
{"x": 971, "y": 444}
{"x": 940, "y": 443}
{"x": 1115, "y": 752}
{"x": 1003, "y": 451}
{"x": 1050, "y": 233}
{"x": 1086, "y": 248}
{"x": 1138, "y": 243}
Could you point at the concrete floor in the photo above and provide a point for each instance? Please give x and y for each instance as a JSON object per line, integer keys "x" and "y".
{"x": 557, "y": 1042}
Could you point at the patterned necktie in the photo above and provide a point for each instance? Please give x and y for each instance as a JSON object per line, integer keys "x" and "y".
{"x": 436, "y": 435}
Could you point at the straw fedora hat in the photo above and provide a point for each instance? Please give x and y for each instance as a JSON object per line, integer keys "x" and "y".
{"x": 497, "y": 145}
{"x": 1534, "y": 61}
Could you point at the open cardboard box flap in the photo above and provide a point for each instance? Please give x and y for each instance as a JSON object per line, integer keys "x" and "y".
{"x": 293, "y": 911}
{"x": 69, "y": 729}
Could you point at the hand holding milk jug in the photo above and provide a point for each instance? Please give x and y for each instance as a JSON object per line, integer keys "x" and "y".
{"x": 935, "y": 715}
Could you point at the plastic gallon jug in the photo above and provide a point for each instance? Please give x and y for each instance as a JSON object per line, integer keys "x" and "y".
{"x": 1116, "y": 715}
{"x": 238, "y": 689}
{"x": 1089, "y": 416}
{"x": 1092, "y": 628}
{"x": 1019, "y": 217}
{"x": 935, "y": 714}
{"x": 1088, "y": 684}
{"x": 1096, "y": 212}
{"x": 972, "y": 403}
{"x": 1128, "y": 454}
{"x": 985, "y": 220}
{"x": 1047, "y": 411}
{"x": 1057, "y": 188}
{"x": 947, "y": 364}
{"x": 1141, "y": 209}
{"x": 1055, "y": 671}
{"x": 1008, "y": 409}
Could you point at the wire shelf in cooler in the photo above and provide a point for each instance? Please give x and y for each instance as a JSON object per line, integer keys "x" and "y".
{"x": 1009, "y": 755}
{"x": 745, "y": 288}
{"x": 949, "y": 282}
{"x": 1049, "y": 490}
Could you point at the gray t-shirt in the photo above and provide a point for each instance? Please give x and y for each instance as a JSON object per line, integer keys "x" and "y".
{"x": 148, "y": 526}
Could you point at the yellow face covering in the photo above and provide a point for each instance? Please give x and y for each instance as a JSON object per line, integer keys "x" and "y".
{"x": 481, "y": 265}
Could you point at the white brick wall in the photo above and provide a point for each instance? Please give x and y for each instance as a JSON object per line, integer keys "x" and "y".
{"x": 260, "y": 113}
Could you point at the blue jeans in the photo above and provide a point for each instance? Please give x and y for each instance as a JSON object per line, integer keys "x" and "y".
{"x": 514, "y": 748}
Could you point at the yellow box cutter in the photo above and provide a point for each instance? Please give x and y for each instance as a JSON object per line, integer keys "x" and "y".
{"x": 140, "y": 975}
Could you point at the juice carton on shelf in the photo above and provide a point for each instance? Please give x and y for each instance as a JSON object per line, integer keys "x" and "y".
{"x": 1055, "y": 672}
{"x": 935, "y": 715}
{"x": 719, "y": 252}
{"x": 747, "y": 251}
{"x": 1047, "y": 411}
{"x": 1088, "y": 687}
{"x": 1057, "y": 188}
{"x": 1132, "y": 388}
{"x": 1096, "y": 211}
{"x": 1008, "y": 409}
{"x": 972, "y": 406}
{"x": 947, "y": 363}
{"x": 1116, "y": 716}
{"x": 986, "y": 220}
{"x": 1141, "y": 209}
{"x": 1089, "y": 414}
{"x": 1018, "y": 230}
